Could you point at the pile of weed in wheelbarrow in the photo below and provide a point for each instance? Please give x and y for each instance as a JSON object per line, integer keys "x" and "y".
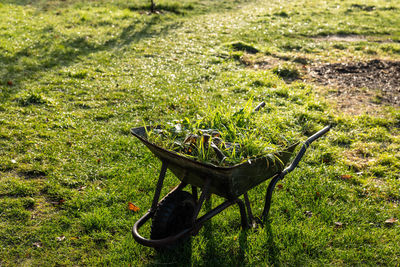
{"x": 225, "y": 137}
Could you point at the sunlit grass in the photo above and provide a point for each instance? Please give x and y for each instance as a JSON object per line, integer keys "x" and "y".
{"x": 76, "y": 76}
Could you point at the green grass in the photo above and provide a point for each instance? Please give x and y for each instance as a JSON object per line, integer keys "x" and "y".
{"x": 77, "y": 75}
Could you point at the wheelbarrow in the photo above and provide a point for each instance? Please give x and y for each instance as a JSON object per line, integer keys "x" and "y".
{"x": 175, "y": 217}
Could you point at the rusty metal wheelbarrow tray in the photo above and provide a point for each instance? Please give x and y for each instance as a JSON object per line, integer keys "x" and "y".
{"x": 229, "y": 182}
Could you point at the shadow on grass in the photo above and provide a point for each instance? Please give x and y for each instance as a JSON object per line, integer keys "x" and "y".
{"x": 208, "y": 234}
{"x": 271, "y": 247}
{"x": 65, "y": 53}
{"x": 48, "y": 54}
{"x": 213, "y": 256}
{"x": 175, "y": 8}
{"x": 17, "y": 2}
{"x": 180, "y": 255}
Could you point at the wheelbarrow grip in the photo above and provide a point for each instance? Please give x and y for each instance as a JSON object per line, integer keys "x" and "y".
{"x": 304, "y": 148}
{"x": 259, "y": 106}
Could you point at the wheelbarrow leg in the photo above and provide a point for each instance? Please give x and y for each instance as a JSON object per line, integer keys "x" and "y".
{"x": 268, "y": 195}
{"x": 248, "y": 207}
{"x": 159, "y": 186}
{"x": 244, "y": 221}
{"x": 203, "y": 196}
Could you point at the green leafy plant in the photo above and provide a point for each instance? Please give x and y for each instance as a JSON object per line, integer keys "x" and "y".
{"x": 222, "y": 137}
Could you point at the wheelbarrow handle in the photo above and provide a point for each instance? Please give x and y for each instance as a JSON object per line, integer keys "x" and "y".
{"x": 259, "y": 106}
{"x": 303, "y": 149}
{"x": 296, "y": 161}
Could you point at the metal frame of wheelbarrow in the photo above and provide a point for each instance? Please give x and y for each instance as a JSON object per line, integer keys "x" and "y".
{"x": 198, "y": 222}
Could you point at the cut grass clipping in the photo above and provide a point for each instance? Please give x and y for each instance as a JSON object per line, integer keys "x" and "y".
{"x": 223, "y": 137}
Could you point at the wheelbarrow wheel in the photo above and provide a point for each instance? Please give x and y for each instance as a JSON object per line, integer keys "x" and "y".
{"x": 173, "y": 214}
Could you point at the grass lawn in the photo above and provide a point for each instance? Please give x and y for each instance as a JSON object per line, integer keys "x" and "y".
{"x": 76, "y": 76}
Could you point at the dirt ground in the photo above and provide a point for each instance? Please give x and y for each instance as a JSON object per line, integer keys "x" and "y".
{"x": 360, "y": 86}
{"x": 352, "y": 38}
{"x": 356, "y": 87}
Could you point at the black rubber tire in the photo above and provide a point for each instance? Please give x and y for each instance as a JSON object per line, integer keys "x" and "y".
{"x": 173, "y": 214}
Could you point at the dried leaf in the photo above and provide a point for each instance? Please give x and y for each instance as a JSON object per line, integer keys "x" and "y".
{"x": 338, "y": 224}
{"x": 391, "y": 221}
{"x": 346, "y": 176}
{"x": 280, "y": 186}
{"x": 308, "y": 213}
{"x": 325, "y": 160}
{"x": 60, "y": 238}
{"x": 60, "y": 202}
{"x": 37, "y": 244}
{"x": 9, "y": 83}
{"x": 132, "y": 207}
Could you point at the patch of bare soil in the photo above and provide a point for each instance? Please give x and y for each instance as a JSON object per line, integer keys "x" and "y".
{"x": 352, "y": 38}
{"x": 357, "y": 159}
{"x": 341, "y": 38}
{"x": 353, "y": 79}
{"x": 358, "y": 87}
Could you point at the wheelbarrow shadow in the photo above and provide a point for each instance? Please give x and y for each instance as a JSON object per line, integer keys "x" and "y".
{"x": 214, "y": 256}
{"x": 181, "y": 255}
{"x": 273, "y": 250}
